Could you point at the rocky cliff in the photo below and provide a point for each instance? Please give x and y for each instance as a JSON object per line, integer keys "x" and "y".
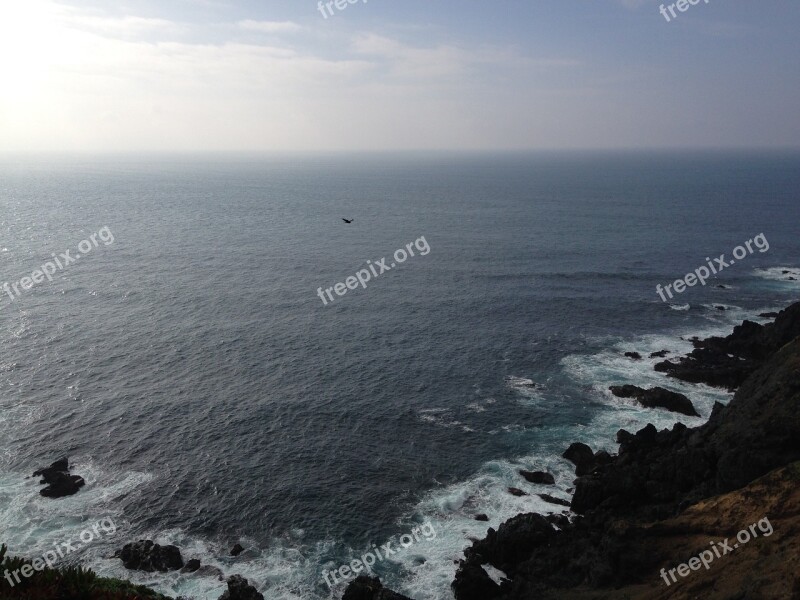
{"x": 669, "y": 496}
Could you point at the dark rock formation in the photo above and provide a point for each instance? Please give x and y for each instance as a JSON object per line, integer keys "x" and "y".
{"x": 240, "y": 589}
{"x": 516, "y": 492}
{"x": 727, "y": 362}
{"x": 593, "y": 560}
{"x": 59, "y": 466}
{"x": 554, "y": 500}
{"x": 768, "y": 315}
{"x": 656, "y": 397}
{"x": 584, "y": 459}
{"x": 191, "y": 566}
{"x": 210, "y": 571}
{"x": 144, "y": 555}
{"x": 473, "y": 583}
{"x": 640, "y": 508}
{"x": 237, "y": 550}
{"x": 504, "y": 549}
{"x": 659, "y": 354}
{"x": 561, "y": 521}
{"x": 634, "y": 355}
{"x": 538, "y": 477}
{"x": 581, "y": 456}
{"x": 369, "y": 588}
{"x": 481, "y": 517}
{"x": 58, "y": 480}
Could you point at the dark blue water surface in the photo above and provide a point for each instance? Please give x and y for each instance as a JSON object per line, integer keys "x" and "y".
{"x": 208, "y": 396}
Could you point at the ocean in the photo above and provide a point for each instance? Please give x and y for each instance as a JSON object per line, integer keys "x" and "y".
{"x": 208, "y": 395}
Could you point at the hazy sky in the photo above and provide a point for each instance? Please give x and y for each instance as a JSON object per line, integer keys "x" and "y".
{"x": 396, "y": 74}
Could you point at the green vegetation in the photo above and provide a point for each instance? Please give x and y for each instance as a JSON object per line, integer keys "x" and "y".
{"x": 69, "y": 583}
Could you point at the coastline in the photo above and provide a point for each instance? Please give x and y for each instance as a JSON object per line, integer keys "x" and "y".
{"x": 358, "y": 586}
{"x": 643, "y": 521}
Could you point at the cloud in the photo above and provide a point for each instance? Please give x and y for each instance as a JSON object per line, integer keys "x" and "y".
{"x": 127, "y": 25}
{"x": 78, "y": 79}
{"x": 270, "y": 26}
{"x": 409, "y": 61}
{"x": 83, "y": 80}
{"x": 118, "y": 27}
{"x": 403, "y": 60}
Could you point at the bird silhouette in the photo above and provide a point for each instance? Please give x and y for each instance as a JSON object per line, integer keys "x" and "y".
{"x": 347, "y": 220}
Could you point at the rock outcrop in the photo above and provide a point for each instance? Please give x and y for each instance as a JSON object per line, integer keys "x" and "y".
{"x": 191, "y": 566}
{"x": 667, "y": 493}
{"x": 584, "y": 459}
{"x": 538, "y": 477}
{"x": 727, "y": 362}
{"x": 758, "y": 431}
{"x": 657, "y": 397}
{"x": 58, "y": 480}
{"x": 240, "y": 589}
{"x": 144, "y": 555}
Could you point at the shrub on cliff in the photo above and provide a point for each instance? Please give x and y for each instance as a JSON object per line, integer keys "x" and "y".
{"x": 68, "y": 583}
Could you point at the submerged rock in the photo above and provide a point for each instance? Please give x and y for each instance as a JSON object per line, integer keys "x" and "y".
{"x": 369, "y": 588}
{"x": 210, "y": 571}
{"x": 554, "y": 500}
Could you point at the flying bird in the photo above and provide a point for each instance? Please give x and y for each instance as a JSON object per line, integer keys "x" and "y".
{"x": 347, "y": 220}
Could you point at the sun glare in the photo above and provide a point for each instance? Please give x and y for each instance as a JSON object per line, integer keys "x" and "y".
{"x": 30, "y": 41}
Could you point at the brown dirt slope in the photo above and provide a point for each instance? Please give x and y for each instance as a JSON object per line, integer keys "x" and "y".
{"x": 763, "y": 568}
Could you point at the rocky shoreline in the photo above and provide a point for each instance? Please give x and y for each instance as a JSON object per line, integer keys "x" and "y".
{"x": 667, "y": 494}
{"x": 651, "y": 506}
